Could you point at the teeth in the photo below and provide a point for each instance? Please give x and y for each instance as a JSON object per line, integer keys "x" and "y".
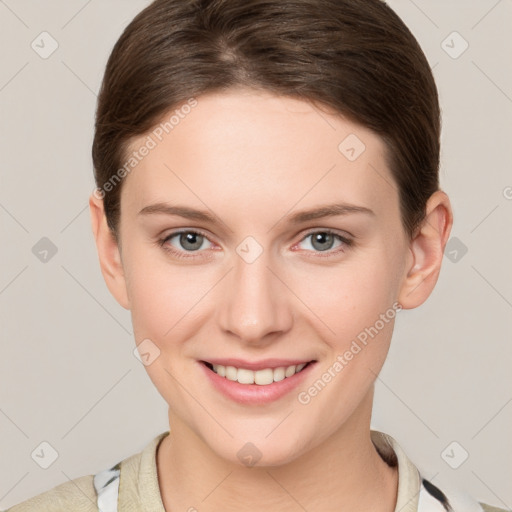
{"x": 290, "y": 371}
{"x": 279, "y": 374}
{"x": 261, "y": 377}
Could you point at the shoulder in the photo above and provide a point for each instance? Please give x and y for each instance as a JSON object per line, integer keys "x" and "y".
{"x": 418, "y": 494}
{"x": 78, "y": 495}
{"x": 489, "y": 508}
{"x": 138, "y": 472}
{"x": 447, "y": 498}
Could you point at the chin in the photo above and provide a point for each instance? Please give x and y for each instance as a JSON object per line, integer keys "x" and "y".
{"x": 258, "y": 451}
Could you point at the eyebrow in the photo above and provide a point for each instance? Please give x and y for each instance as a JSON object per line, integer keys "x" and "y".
{"x": 328, "y": 210}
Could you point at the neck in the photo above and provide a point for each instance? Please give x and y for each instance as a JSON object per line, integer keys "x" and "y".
{"x": 345, "y": 472}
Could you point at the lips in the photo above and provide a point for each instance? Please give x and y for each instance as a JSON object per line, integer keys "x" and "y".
{"x": 255, "y": 383}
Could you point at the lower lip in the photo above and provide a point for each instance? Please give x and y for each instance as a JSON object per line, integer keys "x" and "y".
{"x": 255, "y": 394}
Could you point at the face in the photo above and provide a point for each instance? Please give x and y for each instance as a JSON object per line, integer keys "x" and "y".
{"x": 256, "y": 283}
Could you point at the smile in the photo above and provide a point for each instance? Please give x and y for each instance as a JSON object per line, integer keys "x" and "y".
{"x": 256, "y": 383}
{"x": 262, "y": 377}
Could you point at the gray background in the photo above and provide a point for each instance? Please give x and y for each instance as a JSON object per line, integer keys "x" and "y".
{"x": 68, "y": 375}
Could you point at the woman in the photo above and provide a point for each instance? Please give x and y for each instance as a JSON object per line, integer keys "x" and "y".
{"x": 233, "y": 139}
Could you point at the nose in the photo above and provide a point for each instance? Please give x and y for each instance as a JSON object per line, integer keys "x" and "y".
{"x": 254, "y": 304}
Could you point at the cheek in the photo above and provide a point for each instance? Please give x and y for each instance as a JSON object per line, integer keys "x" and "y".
{"x": 165, "y": 297}
{"x": 351, "y": 298}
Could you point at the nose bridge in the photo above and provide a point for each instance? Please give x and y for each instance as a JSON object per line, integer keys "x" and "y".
{"x": 254, "y": 301}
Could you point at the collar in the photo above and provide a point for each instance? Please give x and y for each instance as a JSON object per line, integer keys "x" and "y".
{"x": 409, "y": 481}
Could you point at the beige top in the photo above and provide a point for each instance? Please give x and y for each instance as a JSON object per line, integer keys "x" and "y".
{"x": 139, "y": 489}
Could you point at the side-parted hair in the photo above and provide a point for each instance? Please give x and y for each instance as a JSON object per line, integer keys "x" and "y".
{"x": 356, "y": 57}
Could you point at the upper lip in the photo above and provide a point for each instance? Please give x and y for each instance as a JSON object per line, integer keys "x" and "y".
{"x": 258, "y": 365}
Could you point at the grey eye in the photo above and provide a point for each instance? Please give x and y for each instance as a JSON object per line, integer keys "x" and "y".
{"x": 321, "y": 240}
{"x": 188, "y": 240}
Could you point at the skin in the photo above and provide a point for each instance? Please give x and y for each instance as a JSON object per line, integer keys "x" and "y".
{"x": 251, "y": 158}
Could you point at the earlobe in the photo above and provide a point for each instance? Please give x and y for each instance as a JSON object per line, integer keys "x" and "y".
{"x": 108, "y": 253}
{"x": 427, "y": 249}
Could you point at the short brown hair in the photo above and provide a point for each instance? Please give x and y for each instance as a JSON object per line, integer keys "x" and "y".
{"x": 355, "y": 56}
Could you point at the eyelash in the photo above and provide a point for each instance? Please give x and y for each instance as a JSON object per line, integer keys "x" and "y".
{"x": 181, "y": 254}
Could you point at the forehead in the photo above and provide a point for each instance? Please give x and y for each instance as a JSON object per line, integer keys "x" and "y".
{"x": 257, "y": 149}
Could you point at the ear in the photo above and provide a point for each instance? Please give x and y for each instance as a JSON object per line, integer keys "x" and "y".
{"x": 108, "y": 252}
{"x": 427, "y": 250}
